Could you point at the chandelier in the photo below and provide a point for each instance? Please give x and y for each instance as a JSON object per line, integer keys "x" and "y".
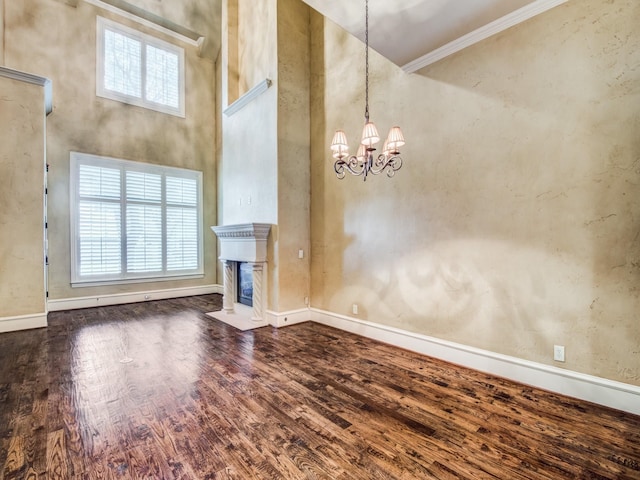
{"x": 364, "y": 162}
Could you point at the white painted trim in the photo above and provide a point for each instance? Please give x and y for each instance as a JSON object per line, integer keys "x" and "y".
{"x": 291, "y": 317}
{"x": 594, "y": 389}
{"x": 518, "y": 16}
{"x": 130, "y": 297}
{"x": 248, "y": 97}
{"x": 23, "y": 322}
{"x": 194, "y": 39}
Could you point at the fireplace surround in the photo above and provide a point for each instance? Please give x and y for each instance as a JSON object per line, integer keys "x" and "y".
{"x": 243, "y": 243}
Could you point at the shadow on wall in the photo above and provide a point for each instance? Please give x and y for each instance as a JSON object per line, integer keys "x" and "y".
{"x": 448, "y": 269}
{"x": 504, "y": 295}
{"x": 485, "y": 293}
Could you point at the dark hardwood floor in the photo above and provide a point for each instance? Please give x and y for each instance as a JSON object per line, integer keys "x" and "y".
{"x": 159, "y": 390}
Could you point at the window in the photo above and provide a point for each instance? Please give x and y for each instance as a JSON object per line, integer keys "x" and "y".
{"x": 139, "y": 69}
{"x": 133, "y": 221}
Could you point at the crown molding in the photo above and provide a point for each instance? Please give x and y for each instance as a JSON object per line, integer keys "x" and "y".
{"x": 34, "y": 80}
{"x": 248, "y": 97}
{"x": 514, "y": 18}
{"x": 148, "y": 19}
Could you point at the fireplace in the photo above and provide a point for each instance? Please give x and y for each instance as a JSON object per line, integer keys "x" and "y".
{"x": 243, "y": 253}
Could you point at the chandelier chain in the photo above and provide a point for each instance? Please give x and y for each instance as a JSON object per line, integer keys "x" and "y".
{"x": 366, "y": 62}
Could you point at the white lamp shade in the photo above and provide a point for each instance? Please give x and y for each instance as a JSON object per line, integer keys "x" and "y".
{"x": 340, "y": 152}
{"x": 361, "y": 155}
{"x": 385, "y": 148}
{"x": 395, "y": 139}
{"x": 370, "y": 135}
{"x": 339, "y": 142}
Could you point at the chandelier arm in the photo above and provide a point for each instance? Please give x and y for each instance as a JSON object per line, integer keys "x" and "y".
{"x": 390, "y": 164}
{"x": 395, "y": 163}
{"x": 351, "y": 165}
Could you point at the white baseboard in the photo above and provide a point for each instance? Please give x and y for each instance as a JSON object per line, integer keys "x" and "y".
{"x": 23, "y": 322}
{"x": 133, "y": 297}
{"x": 594, "y": 389}
{"x": 284, "y": 319}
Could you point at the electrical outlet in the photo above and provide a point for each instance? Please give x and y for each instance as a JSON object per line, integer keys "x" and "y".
{"x": 558, "y": 353}
{"x": 306, "y": 300}
{"x": 300, "y": 253}
{"x": 354, "y": 308}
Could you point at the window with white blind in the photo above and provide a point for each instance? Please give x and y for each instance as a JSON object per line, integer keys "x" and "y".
{"x": 132, "y": 221}
{"x": 139, "y": 69}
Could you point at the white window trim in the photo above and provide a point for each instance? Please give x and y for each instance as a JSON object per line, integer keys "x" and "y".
{"x": 101, "y": 91}
{"x": 76, "y": 159}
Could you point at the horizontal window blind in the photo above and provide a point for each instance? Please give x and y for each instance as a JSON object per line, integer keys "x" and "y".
{"x": 133, "y": 220}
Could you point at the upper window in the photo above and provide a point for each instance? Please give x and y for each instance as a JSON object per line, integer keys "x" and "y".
{"x": 132, "y": 221}
{"x": 139, "y": 69}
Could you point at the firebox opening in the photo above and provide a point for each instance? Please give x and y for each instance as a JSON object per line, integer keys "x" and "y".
{"x": 245, "y": 283}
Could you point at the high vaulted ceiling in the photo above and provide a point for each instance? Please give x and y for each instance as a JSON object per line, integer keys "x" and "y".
{"x": 410, "y": 33}
{"x": 415, "y": 33}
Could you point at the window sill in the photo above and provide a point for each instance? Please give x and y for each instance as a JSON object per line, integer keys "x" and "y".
{"x": 104, "y": 283}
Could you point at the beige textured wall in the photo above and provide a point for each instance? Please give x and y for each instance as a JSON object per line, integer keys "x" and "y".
{"x": 83, "y": 122}
{"x": 514, "y": 224}
{"x": 293, "y": 155}
{"x": 1, "y": 32}
{"x": 195, "y": 15}
{"x": 246, "y": 24}
{"x": 256, "y": 37}
{"x": 22, "y": 163}
{"x": 228, "y": 59}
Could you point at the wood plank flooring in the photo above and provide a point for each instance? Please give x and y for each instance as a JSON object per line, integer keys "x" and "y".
{"x": 161, "y": 391}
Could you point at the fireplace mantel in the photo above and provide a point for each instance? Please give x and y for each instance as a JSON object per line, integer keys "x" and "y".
{"x": 246, "y": 242}
{"x": 243, "y": 230}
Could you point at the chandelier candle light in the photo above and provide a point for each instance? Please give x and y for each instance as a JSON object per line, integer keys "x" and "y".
{"x": 363, "y": 162}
